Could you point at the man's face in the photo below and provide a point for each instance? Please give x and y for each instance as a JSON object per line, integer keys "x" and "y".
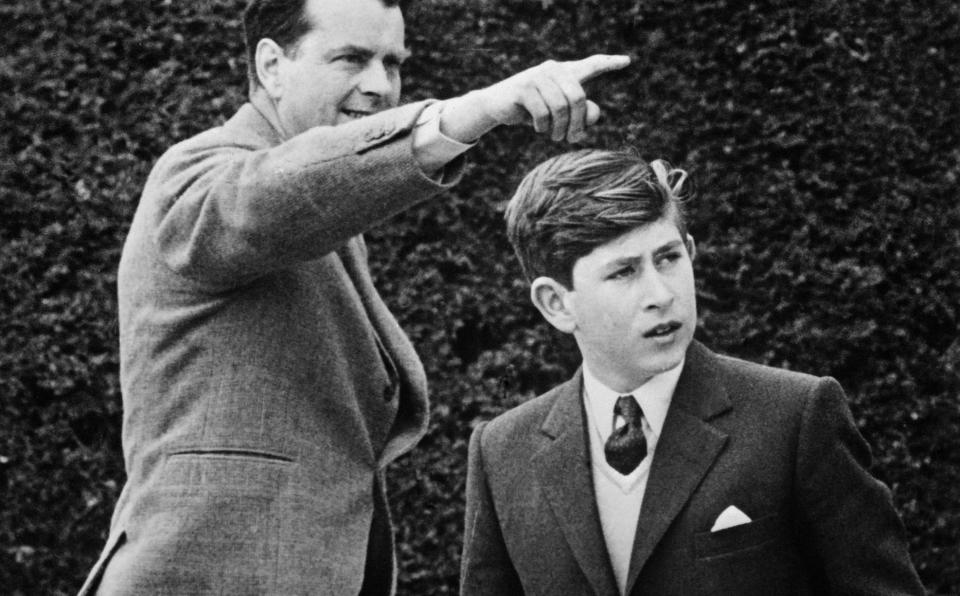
{"x": 634, "y": 305}
{"x": 346, "y": 67}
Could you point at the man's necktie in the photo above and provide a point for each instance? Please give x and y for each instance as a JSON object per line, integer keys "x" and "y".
{"x": 627, "y": 446}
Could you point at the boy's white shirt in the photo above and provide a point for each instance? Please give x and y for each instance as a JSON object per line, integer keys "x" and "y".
{"x": 619, "y": 497}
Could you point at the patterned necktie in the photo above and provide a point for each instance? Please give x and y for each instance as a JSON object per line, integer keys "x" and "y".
{"x": 627, "y": 446}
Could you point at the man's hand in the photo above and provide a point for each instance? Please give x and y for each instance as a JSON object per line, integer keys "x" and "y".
{"x": 550, "y": 96}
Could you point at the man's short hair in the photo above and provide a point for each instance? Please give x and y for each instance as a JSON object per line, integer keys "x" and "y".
{"x": 574, "y": 202}
{"x": 283, "y": 21}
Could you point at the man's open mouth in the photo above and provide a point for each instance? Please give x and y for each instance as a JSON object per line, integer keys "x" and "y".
{"x": 355, "y": 113}
{"x": 664, "y": 329}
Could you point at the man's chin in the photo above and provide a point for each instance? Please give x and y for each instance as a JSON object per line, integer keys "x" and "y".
{"x": 344, "y": 117}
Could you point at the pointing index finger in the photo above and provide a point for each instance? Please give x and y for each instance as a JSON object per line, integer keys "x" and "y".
{"x": 598, "y": 64}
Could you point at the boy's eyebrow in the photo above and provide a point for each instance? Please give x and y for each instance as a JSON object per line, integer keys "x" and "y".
{"x": 634, "y": 259}
{"x": 617, "y": 264}
{"x": 672, "y": 245}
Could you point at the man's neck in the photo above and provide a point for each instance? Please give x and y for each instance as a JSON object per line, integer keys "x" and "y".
{"x": 264, "y": 104}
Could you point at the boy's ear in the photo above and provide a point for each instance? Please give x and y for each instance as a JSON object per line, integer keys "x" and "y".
{"x": 691, "y": 247}
{"x": 551, "y": 299}
{"x": 268, "y": 57}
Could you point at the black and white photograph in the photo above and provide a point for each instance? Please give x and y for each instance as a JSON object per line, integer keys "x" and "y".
{"x": 480, "y": 298}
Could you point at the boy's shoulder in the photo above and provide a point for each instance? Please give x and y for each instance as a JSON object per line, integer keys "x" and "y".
{"x": 531, "y": 414}
{"x": 737, "y": 374}
{"x": 760, "y": 393}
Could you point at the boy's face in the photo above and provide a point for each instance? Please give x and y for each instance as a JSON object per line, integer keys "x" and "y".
{"x": 633, "y": 307}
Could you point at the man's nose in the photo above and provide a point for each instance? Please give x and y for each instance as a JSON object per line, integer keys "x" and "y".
{"x": 376, "y": 80}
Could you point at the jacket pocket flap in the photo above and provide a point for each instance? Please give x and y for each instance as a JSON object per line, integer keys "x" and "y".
{"x": 736, "y": 538}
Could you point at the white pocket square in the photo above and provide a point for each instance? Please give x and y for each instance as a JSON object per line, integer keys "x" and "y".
{"x": 730, "y": 517}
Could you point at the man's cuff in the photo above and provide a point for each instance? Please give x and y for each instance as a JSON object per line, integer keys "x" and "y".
{"x": 431, "y": 148}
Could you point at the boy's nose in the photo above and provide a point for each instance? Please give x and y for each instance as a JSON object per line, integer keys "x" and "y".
{"x": 658, "y": 294}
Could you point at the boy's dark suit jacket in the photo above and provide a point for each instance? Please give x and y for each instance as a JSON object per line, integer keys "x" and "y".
{"x": 781, "y": 446}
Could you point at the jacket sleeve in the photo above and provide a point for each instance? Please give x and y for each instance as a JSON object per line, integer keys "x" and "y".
{"x": 226, "y": 207}
{"x": 486, "y": 569}
{"x": 847, "y": 516}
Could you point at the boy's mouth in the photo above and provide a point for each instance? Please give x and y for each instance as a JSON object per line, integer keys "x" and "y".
{"x": 663, "y": 329}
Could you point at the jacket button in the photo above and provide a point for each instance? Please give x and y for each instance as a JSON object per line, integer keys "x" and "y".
{"x": 375, "y": 134}
{"x": 388, "y": 392}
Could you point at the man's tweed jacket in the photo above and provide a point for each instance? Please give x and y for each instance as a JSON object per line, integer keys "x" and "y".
{"x": 265, "y": 384}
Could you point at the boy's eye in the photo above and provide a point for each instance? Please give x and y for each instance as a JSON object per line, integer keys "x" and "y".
{"x": 670, "y": 257}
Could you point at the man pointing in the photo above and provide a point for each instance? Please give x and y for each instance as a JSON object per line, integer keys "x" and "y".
{"x": 265, "y": 384}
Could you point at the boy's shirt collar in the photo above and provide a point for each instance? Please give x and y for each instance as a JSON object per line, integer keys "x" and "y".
{"x": 654, "y": 398}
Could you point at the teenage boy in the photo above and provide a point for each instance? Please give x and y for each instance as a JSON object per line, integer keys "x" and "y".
{"x": 661, "y": 468}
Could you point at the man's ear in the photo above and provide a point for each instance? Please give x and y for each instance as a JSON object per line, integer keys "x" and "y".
{"x": 691, "y": 247}
{"x": 269, "y": 56}
{"x": 552, "y": 300}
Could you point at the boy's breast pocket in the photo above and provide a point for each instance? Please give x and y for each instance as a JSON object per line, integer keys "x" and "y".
{"x": 752, "y": 558}
{"x": 752, "y": 534}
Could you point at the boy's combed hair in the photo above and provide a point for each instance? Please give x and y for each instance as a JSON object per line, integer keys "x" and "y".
{"x": 577, "y": 201}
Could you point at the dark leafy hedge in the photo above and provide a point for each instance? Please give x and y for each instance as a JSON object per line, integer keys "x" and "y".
{"x": 823, "y": 139}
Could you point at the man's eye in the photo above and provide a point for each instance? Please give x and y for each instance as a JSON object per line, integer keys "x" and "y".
{"x": 621, "y": 273}
{"x": 352, "y": 58}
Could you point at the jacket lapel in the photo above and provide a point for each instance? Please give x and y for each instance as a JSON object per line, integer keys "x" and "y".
{"x": 687, "y": 449}
{"x": 399, "y": 358}
{"x": 563, "y": 470}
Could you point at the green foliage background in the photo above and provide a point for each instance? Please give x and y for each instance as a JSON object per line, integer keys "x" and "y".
{"x": 823, "y": 139}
